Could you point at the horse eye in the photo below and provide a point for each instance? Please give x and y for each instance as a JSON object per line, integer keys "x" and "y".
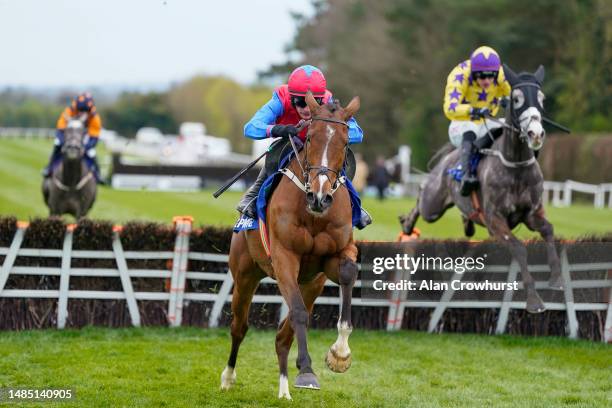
{"x": 518, "y": 98}
{"x": 541, "y": 98}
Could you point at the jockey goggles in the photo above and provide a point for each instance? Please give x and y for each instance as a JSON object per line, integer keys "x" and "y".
{"x": 300, "y": 101}
{"x": 485, "y": 74}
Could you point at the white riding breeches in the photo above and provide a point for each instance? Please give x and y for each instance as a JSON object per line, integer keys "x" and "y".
{"x": 457, "y": 128}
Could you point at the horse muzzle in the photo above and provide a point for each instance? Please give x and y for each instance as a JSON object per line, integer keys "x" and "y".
{"x": 319, "y": 203}
{"x": 535, "y": 136}
{"x": 72, "y": 152}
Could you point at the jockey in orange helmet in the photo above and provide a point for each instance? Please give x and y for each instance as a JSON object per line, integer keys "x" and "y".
{"x": 278, "y": 118}
{"x": 82, "y": 104}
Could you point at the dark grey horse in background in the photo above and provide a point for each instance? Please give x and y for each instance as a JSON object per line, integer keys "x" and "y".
{"x": 72, "y": 187}
{"x": 511, "y": 184}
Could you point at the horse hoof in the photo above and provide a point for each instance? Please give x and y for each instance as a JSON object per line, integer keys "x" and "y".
{"x": 336, "y": 363}
{"x": 308, "y": 381}
{"x": 556, "y": 282}
{"x": 535, "y": 306}
{"x": 228, "y": 378}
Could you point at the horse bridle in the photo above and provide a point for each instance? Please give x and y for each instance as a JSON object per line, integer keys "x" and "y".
{"x": 515, "y": 127}
{"x": 516, "y": 124}
{"x": 321, "y": 170}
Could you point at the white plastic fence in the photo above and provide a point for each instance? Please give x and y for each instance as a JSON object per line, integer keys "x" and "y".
{"x": 556, "y": 193}
{"x": 179, "y": 274}
{"x": 33, "y": 133}
{"x": 559, "y": 194}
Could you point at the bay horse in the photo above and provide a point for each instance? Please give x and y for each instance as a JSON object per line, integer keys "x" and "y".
{"x": 310, "y": 240}
{"x": 72, "y": 187}
{"x": 511, "y": 184}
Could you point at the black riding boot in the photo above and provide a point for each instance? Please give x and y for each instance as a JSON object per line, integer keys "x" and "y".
{"x": 248, "y": 204}
{"x": 96, "y": 171}
{"x": 55, "y": 155}
{"x": 469, "y": 182}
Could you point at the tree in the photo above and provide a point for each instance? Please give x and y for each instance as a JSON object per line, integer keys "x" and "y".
{"x": 134, "y": 110}
{"x": 222, "y": 104}
{"x": 396, "y": 54}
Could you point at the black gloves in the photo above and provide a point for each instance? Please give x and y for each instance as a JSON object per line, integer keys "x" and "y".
{"x": 479, "y": 113}
{"x": 284, "y": 131}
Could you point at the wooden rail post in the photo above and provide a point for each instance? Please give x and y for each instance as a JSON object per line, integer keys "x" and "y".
{"x": 9, "y": 259}
{"x": 62, "y": 302}
{"x": 568, "y": 291}
{"x": 179, "y": 269}
{"x": 504, "y": 310}
{"x": 126, "y": 281}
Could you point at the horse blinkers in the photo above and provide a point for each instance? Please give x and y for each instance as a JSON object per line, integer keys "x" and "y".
{"x": 527, "y": 106}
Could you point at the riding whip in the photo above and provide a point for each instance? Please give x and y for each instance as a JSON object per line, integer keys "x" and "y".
{"x": 301, "y": 125}
{"x": 555, "y": 124}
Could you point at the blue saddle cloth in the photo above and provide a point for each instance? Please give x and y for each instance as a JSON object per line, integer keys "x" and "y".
{"x": 457, "y": 172}
{"x": 247, "y": 223}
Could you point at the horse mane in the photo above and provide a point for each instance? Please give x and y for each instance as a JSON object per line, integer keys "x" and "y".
{"x": 443, "y": 151}
{"x": 527, "y": 77}
{"x": 332, "y": 105}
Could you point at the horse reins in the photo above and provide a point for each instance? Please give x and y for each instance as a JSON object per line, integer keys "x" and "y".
{"x": 321, "y": 170}
{"x": 513, "y": 128}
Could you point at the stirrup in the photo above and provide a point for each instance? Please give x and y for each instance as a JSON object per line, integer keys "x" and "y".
{"x": 468, "y": 185}
{"x": 248, "y": 209}
{"x": 364, "y": 220}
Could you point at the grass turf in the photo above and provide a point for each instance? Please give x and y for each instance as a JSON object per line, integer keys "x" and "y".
{"x": 20, "y": 195}
{"x": 181, "y": 368}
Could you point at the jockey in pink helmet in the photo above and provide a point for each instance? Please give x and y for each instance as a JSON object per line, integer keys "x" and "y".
{"x": 278, "y": 119}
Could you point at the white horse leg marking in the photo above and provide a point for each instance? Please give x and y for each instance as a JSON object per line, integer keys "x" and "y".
{"x": 325, "y": 161}
{"x": 283, "y": 388}
{"x": 228, "y": 378}
{"x": 341, "y": 347}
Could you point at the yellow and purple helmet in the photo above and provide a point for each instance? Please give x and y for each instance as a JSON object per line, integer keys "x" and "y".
{"x": 485, "y": 59}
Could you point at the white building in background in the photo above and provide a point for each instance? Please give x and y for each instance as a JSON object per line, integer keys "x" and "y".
{"x": 193, "y": 147}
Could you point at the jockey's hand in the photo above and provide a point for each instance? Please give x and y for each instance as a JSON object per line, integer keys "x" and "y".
{"x": 479, "y": 113}
{"x": 284, "y": 131}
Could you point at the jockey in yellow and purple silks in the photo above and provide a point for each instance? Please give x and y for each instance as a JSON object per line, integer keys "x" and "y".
{"x": 474, "y": 90}
{"x": 82, "y": 104}
{"x": 279, "y": 117}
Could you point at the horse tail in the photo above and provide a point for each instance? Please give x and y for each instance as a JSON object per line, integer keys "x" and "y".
{"x": 443, "y": 151}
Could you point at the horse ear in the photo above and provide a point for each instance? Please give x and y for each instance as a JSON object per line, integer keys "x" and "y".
{"x": 352, "y": 108}
{"x": 539, "y": 74}
{"x": 312, "y": 103}
{"x": 510, "y": 75}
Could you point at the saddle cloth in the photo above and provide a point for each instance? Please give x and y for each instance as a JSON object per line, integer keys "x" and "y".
{"x": 457, "y": 172}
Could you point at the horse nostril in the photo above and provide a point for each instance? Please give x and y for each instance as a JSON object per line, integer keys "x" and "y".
{"x": 310, "y": 198}
{"x": 327, "y": 200}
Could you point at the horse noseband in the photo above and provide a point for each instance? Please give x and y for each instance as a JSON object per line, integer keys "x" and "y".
{"x": 323, "y": 170}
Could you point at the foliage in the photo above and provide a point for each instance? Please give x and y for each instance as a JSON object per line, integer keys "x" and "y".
{"x": 222, "y": 104}
{"x": 396, "y": 55}
{"x": 21, "y": 109}
{"x": 133, "y": 111}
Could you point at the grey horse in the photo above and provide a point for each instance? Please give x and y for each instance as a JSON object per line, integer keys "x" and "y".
{"x": 72, "y": 187}
{"x": 511, "y": 183}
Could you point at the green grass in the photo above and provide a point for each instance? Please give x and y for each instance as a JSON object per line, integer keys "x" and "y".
{"x": 182, "y": 367}
{"x": 20, "y": 195}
